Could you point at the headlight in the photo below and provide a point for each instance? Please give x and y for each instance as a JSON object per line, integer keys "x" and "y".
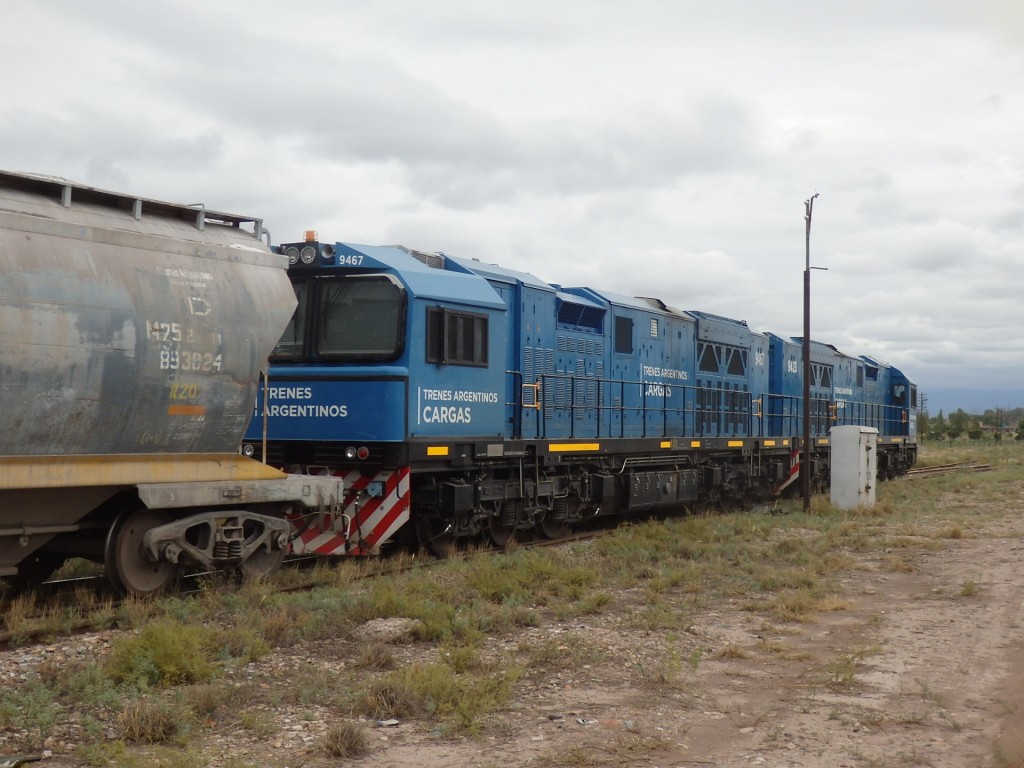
{"x": 308, "y": 255}
{"x": 293, "y": 255}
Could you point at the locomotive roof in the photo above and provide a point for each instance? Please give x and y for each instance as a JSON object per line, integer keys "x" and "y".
{"x": 602, "y": 298}
{"x": 720, "y": 318}
{"x": 452, "y": 281}
{"x": 494, "y": 272}
{"x": 574, "y": 298}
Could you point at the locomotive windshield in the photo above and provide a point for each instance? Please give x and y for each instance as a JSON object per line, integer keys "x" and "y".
{"x": 353, "y": 318}
{"x": 290, "y": 345}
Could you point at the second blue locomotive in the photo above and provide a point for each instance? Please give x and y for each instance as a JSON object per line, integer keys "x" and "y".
{"x": 459, "y": 398}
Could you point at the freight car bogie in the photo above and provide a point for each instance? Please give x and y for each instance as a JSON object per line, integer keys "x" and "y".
{"x": 147, "y": 549}
{"x": 147, "y": 535}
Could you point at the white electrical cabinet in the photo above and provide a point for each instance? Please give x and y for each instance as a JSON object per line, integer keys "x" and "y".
{"x": 854, "y": 466}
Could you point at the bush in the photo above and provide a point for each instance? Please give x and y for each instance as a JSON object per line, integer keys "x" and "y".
{"x": 164, "y": 653}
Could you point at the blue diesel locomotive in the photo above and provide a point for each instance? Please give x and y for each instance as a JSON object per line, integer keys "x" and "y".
{"x": 457, "y": 398}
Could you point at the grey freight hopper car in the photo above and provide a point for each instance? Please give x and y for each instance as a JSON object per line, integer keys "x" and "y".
{"x": 132, "y": 334}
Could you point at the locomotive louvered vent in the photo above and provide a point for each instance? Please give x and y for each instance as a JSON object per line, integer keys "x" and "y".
{"x": 580, "y": 316}
{"x": 432, "y": 260}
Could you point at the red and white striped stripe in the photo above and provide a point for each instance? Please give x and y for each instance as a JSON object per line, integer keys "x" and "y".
{"x": 794, "y": 471}
{"x": 372, "y": 520}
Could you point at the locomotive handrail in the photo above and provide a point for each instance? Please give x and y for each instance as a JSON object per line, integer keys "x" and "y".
{"x": 517, "y": 416}
{"x": 703, "y": 411}
{"x": 536, "y": 387}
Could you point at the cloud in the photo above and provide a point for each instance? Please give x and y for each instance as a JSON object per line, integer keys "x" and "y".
{"x": 663, "y": 149}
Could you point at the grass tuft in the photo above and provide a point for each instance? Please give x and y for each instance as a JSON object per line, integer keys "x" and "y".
{"x": 152, "y": 722}
{"x": 344, "y": 740}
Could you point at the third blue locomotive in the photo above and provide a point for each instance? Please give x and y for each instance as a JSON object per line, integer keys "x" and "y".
{"x": 458, "y": 398}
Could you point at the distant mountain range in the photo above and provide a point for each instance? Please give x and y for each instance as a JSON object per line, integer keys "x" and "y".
{"x": 972, "y": 400}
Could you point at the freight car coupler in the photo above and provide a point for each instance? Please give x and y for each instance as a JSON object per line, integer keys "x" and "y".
{"x": 219, "y": 540}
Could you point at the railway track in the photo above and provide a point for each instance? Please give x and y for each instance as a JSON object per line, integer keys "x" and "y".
{"x": 945, "y": 469}
{"x": 73, "y": 599}
{"x": 63, "y": 606}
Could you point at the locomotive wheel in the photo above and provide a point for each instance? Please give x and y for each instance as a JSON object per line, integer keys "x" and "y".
{"x": 500, "y": 535}
{"x": 501, "y": 529}
{"x": 552, "y": 529}
{"x": 434, "y": 535}
{"x": 128, "y": 569}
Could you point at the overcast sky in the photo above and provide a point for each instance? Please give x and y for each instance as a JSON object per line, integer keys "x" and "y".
{"x": 656, "y": 147}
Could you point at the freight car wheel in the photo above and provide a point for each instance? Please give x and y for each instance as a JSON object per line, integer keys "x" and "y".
{"x": 261, "y": 564}
{"x": 128, "y": 568}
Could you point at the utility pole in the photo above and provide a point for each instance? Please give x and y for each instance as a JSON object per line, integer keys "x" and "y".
{"x": 805, "y": 469}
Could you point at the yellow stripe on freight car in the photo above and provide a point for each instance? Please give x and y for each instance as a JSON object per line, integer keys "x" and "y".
{"x": 129, "y": 469}
{"x": 437, "y": 450}
{"x": 573, "y": 447}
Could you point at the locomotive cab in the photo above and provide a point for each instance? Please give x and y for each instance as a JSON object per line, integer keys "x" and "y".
{"x": 389, "y": 351}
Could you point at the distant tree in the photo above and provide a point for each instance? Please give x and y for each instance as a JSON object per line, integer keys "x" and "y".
{"x": 959, "y": 423}
{"x": 974, "y": 433}
{"x": 1020, "y": 430}
{"x": 938, "y": 427}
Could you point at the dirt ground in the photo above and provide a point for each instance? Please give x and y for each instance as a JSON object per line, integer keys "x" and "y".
{"x": 920, "y": 668}
{"x": 920, "y": 663}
